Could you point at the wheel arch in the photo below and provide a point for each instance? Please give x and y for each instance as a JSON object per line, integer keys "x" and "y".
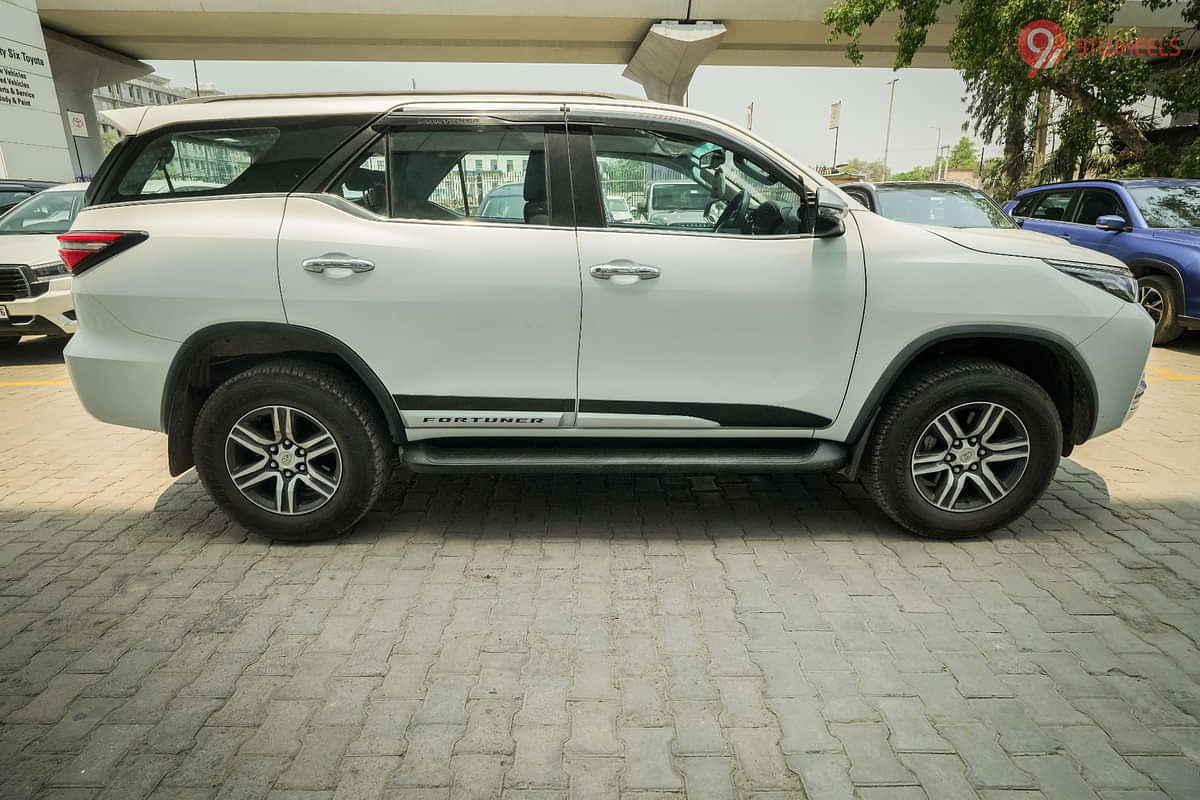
{"x": 1143, "y": 265}
{"x": 1046, "y": 357}
{"x": 213, "y": 354}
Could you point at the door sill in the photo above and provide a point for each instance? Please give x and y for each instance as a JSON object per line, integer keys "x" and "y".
{"x": 626, "y": 455}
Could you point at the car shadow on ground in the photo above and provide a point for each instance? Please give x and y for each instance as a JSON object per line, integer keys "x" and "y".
{"x": 1188, "y": 343}
{"x": 640, "y": 507}
{"x": 34, "y": 351}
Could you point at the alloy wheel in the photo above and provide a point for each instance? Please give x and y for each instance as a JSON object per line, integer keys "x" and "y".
{"x": 1152, "y": 300}
{"x": 283, "y": 460}
{"x": 970, "y": 457}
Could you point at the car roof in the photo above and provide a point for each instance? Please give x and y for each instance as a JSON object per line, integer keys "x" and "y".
{"x": 67, "y": 187}
{"x": 21, "y": 183}
{"x": 144, "y": 118}
{"x": 1131, "y": 183}
{"x": 507, "y": 188}
{"x": 908, "y": 185}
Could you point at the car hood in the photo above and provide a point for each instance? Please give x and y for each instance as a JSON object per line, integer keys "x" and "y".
{"x": 1178, "y": 235}
{"x": 1018, "y": 242}
{"x": 28, "y": 248}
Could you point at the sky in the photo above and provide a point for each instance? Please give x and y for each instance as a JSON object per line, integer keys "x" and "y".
{"x": 791, "y": 104}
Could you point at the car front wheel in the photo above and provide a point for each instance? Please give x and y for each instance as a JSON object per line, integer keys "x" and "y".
{"x": 963, "y": 448}
{"x": 292, "y": 450}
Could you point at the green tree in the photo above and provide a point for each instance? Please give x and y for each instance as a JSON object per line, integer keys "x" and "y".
{"x": 962, "y": 155}
{"x": 914, "y": 174}
{"x": 1000, "y": 90}
{"x": 870, "y": 170}
{"x": 108, "y": 140}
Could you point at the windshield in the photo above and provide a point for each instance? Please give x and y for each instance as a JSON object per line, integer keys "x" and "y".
{"x": 617, "y": 204}
{"x": 678, "y": 197}
{"x": 46, "y": 212}
{"x": 944, "y": 206}
{"x": 1168, "y": 206}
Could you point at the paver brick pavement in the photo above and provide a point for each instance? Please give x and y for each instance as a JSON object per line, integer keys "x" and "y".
{"x": 594, "y": 636}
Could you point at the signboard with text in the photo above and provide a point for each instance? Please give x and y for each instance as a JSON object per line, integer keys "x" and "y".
{"x": 835, "y": 115}
{"x": 78, "y": 123}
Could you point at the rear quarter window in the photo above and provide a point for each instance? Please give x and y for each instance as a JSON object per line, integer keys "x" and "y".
{"x": 223, "y": 157}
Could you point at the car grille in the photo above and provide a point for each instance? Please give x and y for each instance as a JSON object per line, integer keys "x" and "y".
{"x": 13, "y": 283}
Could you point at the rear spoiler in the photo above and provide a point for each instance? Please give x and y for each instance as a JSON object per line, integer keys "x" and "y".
{"x": 126, "y": 120}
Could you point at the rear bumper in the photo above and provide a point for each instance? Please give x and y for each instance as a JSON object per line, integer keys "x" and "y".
{"x": 1116, "y": 355}
{"x": 118, "y": 374}
{"x": 51, "y": 313}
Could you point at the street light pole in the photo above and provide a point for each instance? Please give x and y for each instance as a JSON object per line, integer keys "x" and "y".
{"x": 937, "y": 152}
{"x": 887, "y": 137}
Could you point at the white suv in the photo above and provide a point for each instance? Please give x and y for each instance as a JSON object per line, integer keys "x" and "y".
{"x": 299, "y": 290}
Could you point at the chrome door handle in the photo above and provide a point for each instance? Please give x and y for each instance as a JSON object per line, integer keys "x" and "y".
{"x": 639, "y": 271}
{"x": 337, "y": 261}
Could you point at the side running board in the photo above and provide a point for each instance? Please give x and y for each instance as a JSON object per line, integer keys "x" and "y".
{"x": 598, "y": 455}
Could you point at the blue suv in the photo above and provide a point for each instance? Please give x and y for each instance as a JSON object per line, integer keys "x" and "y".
{"x": 1152, "y": 224}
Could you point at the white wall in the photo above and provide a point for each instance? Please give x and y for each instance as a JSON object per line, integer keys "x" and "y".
{"x": 33, "y": 143}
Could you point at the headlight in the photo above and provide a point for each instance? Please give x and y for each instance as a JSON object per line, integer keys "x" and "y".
{"x": 1117, "y": 281}
{"x": 51, "y": 269}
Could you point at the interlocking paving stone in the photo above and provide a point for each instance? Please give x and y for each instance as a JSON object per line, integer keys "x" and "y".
{"x": 533, "y": 637}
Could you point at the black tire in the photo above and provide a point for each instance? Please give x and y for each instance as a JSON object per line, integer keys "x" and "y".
{"x": 1157, "y": 295}
{"x": 922, "y": 397}
{"x": 347, "y": 412}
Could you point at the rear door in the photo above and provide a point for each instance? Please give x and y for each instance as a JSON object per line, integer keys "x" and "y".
{"x": 1052, "y": 213}
{"x": 471, "y": 322}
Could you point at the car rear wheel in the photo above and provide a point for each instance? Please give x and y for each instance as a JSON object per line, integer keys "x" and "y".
{"x": 963, "y": 448}
{"x": 1156, "y": 293}
{"x": 292, "y": 450}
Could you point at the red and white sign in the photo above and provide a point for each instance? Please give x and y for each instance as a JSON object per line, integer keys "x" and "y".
{"x": 78, "y": 123}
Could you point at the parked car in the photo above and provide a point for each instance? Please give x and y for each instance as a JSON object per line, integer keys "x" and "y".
{"x": 35, "y": 286}
{"x": 1150, "y": 224}
{"x": 292, "y": 342}
{"x": 13, "y": 191}
{"x": 618, "y": 209}
{"x": 941, "y": 203}
{"x": 506, "y": 201}
{"x": 680, "y": 204}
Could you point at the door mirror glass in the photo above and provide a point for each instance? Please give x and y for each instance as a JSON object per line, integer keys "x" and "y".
{"x": 831, "y": 213}
{"x": 1111, "y": 222}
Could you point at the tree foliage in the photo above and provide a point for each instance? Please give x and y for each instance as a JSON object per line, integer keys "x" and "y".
{"x": 1001, "y": 95}
{"x": 962, "y": 155}
{"x": 870, "y": 170}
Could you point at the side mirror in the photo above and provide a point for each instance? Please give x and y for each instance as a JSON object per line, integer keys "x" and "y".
{"x": 831, "y": 214}
{"x": 1018, "y": 221}
{"x": 641, "y": 209}
{"x": 1111, "y": 222}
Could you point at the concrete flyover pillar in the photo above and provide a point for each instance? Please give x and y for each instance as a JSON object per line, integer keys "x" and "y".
{"x": 667, "y": 58}
{"x": 80, "y": 67}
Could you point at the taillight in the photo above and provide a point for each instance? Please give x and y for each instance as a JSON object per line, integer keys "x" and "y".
{"x": 82, "y": 250}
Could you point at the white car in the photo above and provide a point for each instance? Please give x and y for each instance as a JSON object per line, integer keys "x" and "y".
{"x": 35, "y": 285}
{"x": 293, "y": 333}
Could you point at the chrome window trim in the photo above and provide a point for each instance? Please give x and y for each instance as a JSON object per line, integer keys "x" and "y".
{"x": 200, "y": 198}
{"x": 342, "y": 204}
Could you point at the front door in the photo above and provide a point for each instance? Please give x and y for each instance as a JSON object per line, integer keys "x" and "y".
{"x": 1093, "y": 204}
{"x": 471, "y": 321}
{"x": 717, "y": 309}
{"x": 1052, "y": 213}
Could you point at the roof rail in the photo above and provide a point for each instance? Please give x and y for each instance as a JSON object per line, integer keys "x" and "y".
{"x": 218, "y": 98}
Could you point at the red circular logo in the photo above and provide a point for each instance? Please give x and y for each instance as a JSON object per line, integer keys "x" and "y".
{"x": 1042, "y": 45}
